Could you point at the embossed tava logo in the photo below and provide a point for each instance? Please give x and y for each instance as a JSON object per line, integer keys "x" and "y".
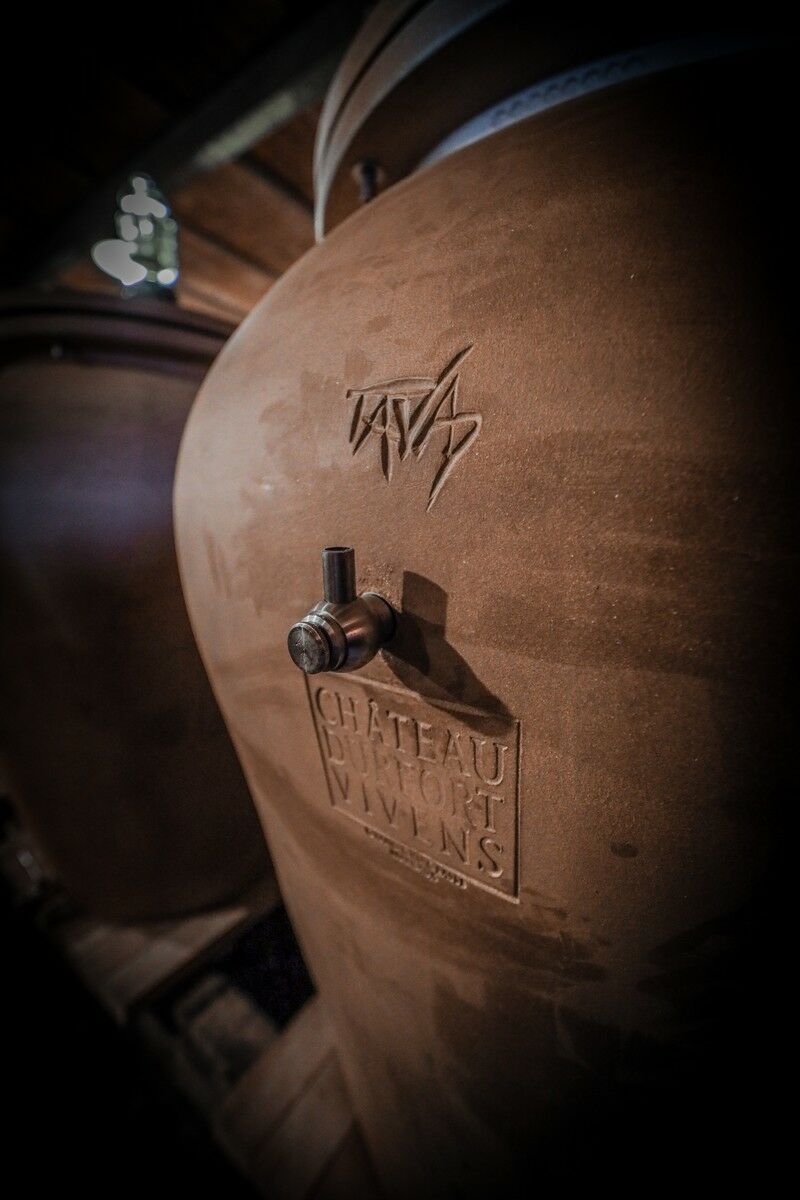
{"x": 423, "y": 781}
{"x": 406, "y": 417}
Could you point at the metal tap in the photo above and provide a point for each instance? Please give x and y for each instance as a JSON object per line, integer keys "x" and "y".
{"x": 344, "y": 631}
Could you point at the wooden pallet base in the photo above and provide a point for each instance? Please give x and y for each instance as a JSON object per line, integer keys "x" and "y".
{"x": 273, "y": 1099}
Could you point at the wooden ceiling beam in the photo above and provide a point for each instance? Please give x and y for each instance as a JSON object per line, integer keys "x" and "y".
{"x": 218, "y": 271}
{"x": 288, "y": 152}
{"x": 235, "y": 206}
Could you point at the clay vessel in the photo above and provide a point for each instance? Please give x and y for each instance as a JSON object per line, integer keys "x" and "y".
{"x": 117, "y": 753}
{"x": 528, "y": 848}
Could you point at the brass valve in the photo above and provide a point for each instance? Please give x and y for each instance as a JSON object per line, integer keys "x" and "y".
{"x": 344, "y": 631}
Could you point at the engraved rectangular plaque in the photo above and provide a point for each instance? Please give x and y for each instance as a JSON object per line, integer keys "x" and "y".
{"x": 425, "y": 780}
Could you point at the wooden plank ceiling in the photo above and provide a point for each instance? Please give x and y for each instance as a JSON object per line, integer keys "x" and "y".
{"x": 242, "y": 225}
{"x": 98, "y": 98}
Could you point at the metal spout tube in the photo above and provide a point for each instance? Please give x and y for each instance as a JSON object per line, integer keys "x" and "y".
{"x": 339, "y": 574}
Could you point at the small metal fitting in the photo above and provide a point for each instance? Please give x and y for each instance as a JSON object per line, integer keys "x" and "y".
{"x": 344, "y": 631}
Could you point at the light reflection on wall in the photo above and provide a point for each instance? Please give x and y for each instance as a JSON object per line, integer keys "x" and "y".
{"x": 144, "y": 256}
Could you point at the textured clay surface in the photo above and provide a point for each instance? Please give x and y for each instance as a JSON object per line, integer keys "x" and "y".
{"x": 578, "y": 324}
